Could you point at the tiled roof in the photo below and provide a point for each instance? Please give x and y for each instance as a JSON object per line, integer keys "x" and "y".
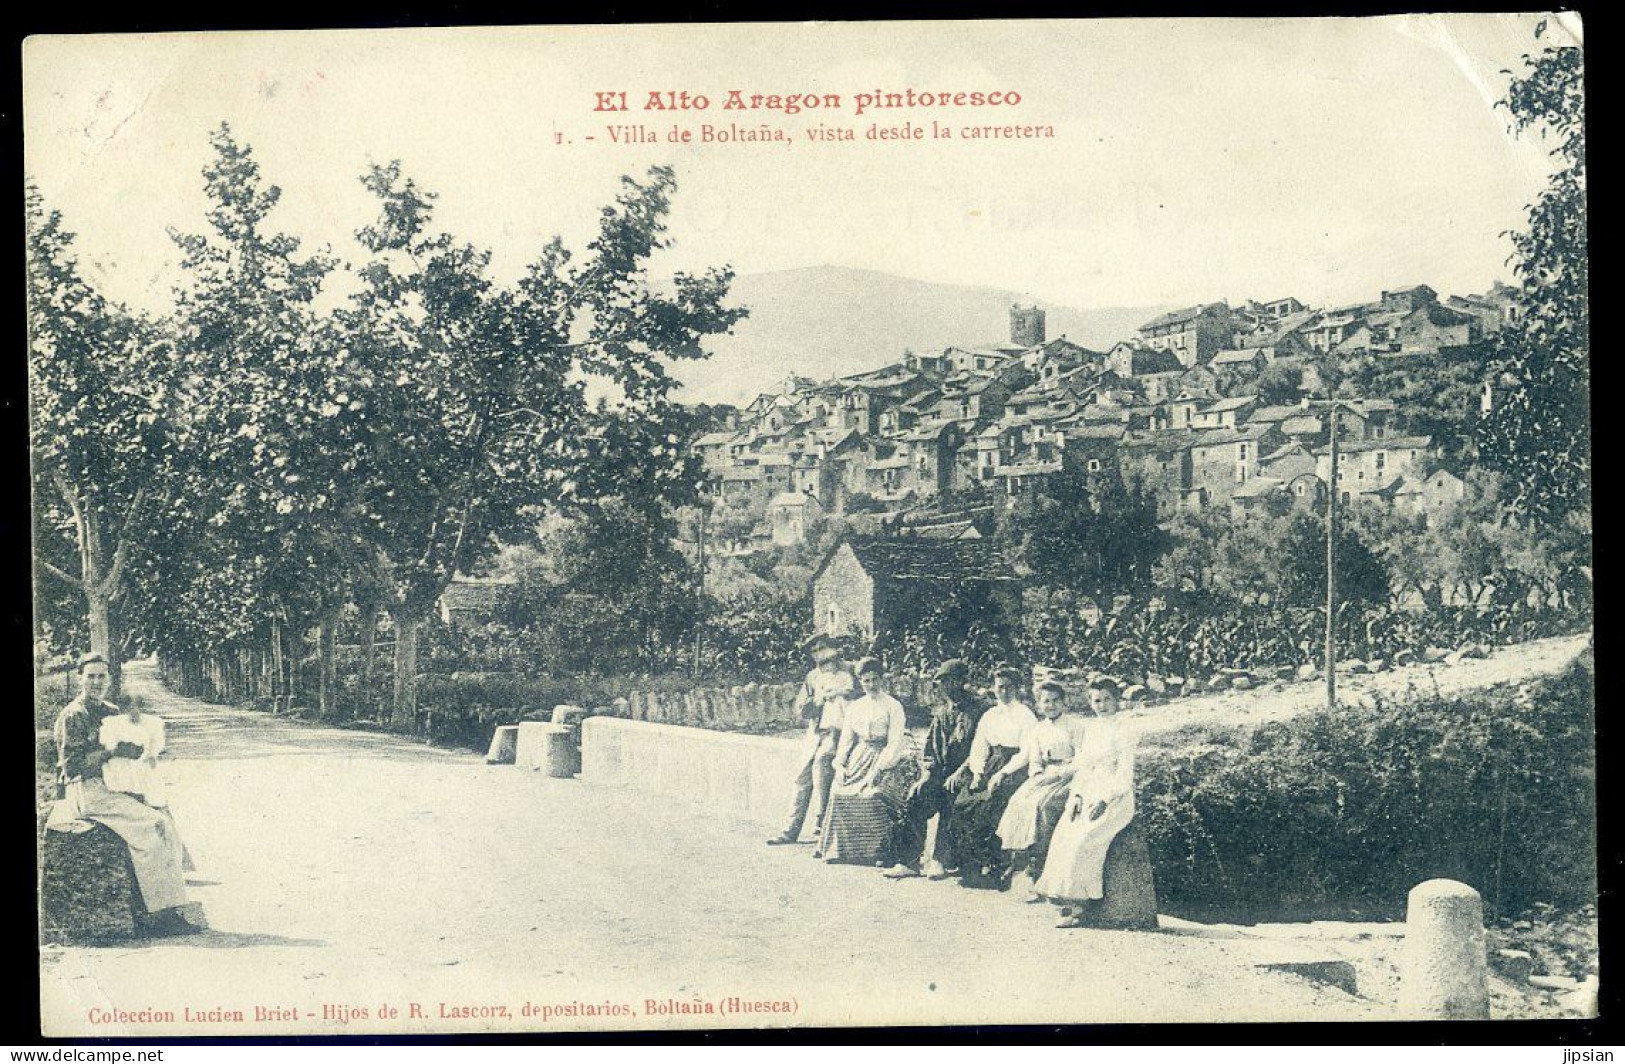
{"x": 1237, "y": 356}
{"x": 1235, "y": 402}
{"x": 1267, "y": 414}
{"x": 923, "y": 558}
{"x": 1219, "y": 437}
{"x": 1257, "y": 487}
{"x": 1393, "y": 443}
{"x": 1095, "y": 432}
{"x": 1174, "y": 317}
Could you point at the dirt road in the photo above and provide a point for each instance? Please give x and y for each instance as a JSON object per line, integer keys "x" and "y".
{"x": 345, "y": 874}
{"x": 1277, "y": 701}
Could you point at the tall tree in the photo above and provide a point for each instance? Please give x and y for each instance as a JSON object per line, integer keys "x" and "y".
{"x": 481, "y": 409}
{"x": 271, "y": 390}
{"x": 1539, "y": 429}
{"x": 1089, "y": 533}
{"x": 100, "y": 386}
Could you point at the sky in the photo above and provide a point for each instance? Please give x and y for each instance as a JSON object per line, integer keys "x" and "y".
{"x": 1192, "y": 160}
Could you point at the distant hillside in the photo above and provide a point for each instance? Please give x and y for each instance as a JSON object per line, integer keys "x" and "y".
{"x": 826, "y": 321}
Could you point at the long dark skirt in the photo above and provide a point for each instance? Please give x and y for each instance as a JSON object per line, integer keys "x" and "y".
{"x": 974, "y": 826}
{"x": 860, "y": 828}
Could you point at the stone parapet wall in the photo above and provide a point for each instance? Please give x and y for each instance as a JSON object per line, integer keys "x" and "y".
{"x": 748, "y": 777}
{"x": 755, "y": 706}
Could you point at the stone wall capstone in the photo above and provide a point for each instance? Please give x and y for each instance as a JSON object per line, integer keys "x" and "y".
{"x": 753, "y": 706}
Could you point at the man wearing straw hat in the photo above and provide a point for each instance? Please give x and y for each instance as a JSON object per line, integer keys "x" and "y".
{"x": 823, "y": 698}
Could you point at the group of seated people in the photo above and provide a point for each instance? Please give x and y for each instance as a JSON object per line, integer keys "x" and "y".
{"x": 107, "y": 774}
{"x": 1043, "y": 800}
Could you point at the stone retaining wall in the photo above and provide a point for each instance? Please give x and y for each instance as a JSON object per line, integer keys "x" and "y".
{"x": 744, "y": 776}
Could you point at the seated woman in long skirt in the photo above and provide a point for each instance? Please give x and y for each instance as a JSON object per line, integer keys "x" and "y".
{"x": 1098, "y": 857}
{"x": 974, "y": 826}
{"x": 1046, "y": 755}
{"x": 872, "y": 776}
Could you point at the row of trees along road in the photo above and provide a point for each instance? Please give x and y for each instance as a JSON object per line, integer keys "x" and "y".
{"x": 301, "y": 433}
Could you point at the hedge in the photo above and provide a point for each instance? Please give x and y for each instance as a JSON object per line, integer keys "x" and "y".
{"x": 1338, "y": 814}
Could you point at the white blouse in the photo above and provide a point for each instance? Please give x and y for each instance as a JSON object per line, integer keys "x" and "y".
{"x": 1051, "y": 742}
{"x": 1003, "y": 725}
{"x": 878, "y": 718}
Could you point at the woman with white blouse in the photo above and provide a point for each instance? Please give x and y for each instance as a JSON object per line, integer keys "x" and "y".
{"x": 872, "y": 775}
{"x": 974, "y": 826}
{"x": 1046, "y": 754}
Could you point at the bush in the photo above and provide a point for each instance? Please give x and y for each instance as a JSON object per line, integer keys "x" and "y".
{"x": 51, "y": 693}
{"x": 1340, "y": 814}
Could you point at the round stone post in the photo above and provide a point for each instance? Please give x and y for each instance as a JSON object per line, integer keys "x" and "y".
{"x": 1442, "y": 967}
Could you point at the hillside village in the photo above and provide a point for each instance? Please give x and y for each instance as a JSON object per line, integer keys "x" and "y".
{"x": 1206, "y": 408}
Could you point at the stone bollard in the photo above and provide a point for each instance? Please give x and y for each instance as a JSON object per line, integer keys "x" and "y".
{"x": 1442, "y": 968}
{"x": 504, "y": 745}
{"x": 566, "y": 714}
{"x": 88, "y": 892}
{"x": 549, "y": 748}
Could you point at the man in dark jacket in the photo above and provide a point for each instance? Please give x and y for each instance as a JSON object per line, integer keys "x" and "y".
{"x": 947, "y": 744}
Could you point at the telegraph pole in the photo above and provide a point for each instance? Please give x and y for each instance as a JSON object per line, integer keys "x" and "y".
{"x": 1332, "y": 405}
{"x": 1331, "y": 568}
{"x": 699, "y": 588}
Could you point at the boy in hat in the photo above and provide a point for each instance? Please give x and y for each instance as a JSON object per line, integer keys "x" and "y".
{"x": 823, "y": 697}
{"x": 947, "y": 744}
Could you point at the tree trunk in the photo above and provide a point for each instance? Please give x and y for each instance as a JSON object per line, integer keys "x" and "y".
{"x": 100, "y": 611}
{"x": 404, "y": 705}
{"x": 277, "y": 663}
{"x": 327, "y": 631}
{"x": 369, "y": 636}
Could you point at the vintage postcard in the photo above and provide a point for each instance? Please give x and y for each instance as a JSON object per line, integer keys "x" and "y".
{"x": 573, "y": 528}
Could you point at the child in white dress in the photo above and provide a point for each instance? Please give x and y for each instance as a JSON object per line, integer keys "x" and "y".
{"x": 134, "y": 776}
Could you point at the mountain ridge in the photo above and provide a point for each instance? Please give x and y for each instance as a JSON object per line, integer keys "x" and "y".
{"x": 830, "y": 321}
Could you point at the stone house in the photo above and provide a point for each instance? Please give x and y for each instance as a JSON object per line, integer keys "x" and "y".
{"x": 1224, "y": 459}
{"x": 1137, "y": 360}
{"x": 1430, "y": 328}
{"x": 930, "y": 450}
{"x": 871, "y": 585}
{"x": 1366, "y": 466}
{"x": 1366, "y": 419}
{"x": 1495, "y": 309}
{"x": 1286, "y": 462}
{"x": 1223, "y": 413}
{"x": 1241, "y": 359}
{"x": 1333, "y": 327}
{"x": 1427, "y": 497}
{"x": 1158, "y": 464}
{"x": 1160, "y": 387}
{"x": 1408, "y": 299}
{"x": 790, "y": 515}
{"x": 1193, "y": 334}
{"x": 1054, "y": 357}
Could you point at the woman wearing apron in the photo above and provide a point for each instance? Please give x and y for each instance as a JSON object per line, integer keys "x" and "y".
{"x": 872, "y": 776}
